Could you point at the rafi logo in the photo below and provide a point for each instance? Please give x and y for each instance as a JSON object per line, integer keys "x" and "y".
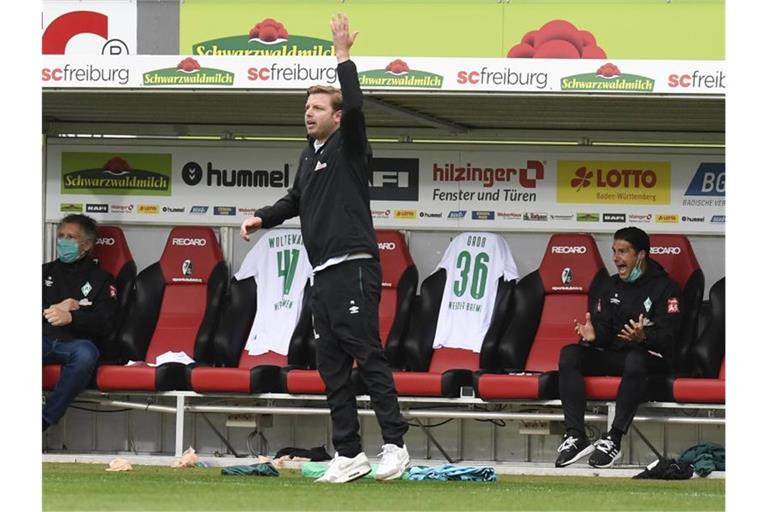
{"x": 709, "y": 180}
{"x": 269, "y": 37}
{"x": 457, "y": 214}
{"x": 673, "y": 250}
{"x": 567, "y": 275}
{"x": 398, "y": 74}
{"x": 387, "y": 246}
{"x": 192, "y": 174}
{"x": 483, "y": 215}
{"x": 188, "y": 72}
{"x": 97, "y": 208}
{"x": 189, "y": 242}
{"x": 394, "y": 179}
{"x": 122, "y": 174}
{"x": 186, "y": 268}
{"x": 198, "y": 210}
{"x": 613, "y": 182}
{"x": 566, "y": 249}
{"x": 224, "y": 210}
{"x": 614, "y": 217}
{"x": 106, "y": 241}
{"x": 608, "y": 77}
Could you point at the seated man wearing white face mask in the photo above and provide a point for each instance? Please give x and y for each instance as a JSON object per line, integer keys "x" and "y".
{"x": 79, "y": 306}
{"x": 632, "y": 332}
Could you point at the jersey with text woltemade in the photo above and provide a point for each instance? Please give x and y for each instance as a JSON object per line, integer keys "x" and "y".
{"x": 279, "y": 264}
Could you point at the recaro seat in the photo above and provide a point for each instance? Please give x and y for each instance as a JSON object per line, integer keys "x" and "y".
{"x": 177, "y": 302}
{"x": 113, "y": 255}
{"x": 399, "y": 279}
{"x": 705, "y": 382}
{"x": 675, "y": 254}
{"x": 565, "y": 286}
{"x": 265, "y": 269}
{"x": 443, "y": 371}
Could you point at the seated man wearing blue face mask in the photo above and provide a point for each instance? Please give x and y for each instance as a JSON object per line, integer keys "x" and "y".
{"x": 632, "y": 332}
{"x": 79, "y": 306}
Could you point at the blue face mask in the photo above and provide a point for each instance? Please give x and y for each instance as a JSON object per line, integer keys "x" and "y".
{"x": 636, "y": 272}
{"x": 68, "y": 249}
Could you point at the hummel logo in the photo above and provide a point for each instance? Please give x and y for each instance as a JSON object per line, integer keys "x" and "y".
{"x": 353, "y": 310}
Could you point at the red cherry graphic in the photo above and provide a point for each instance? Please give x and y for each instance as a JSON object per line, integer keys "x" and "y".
{"x": 608, "y": 70}
{"x": 558, "y": 30}
{"x": 397, "y": 66}
{"x": 558, "y": 39}
{"x": 268, "y": 30}
{"x": 556, "y": 49}
{"x": 188, "y": 64}
{"x": 529, "y": 37}
{"x": 521, "y": 50}
{"x": 587, "y": 39}
{"x": 117, "y": 164}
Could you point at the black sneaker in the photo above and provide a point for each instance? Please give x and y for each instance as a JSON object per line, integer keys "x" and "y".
{"x": 606, "y": 453}
{"x": 572, "y": 449}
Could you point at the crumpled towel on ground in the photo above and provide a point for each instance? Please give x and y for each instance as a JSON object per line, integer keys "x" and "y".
{"x": 259, "y": 469}
{"x": 451, "y": 472}
{"x": 316, "y": 470}
{"x": 705, "y": 458}
{"x": 666, "y": 469}
{"x": 119, "y": 465}
{"x": 188, "y": 459}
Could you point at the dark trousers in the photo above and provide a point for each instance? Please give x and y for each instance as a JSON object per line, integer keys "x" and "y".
{"x": 79, "y": 358}
{"x": 634, "y": 367}
{"x": 345, "y": 307}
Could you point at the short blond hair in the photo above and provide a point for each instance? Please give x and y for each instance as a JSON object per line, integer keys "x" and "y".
{"x": 335, "y": 94}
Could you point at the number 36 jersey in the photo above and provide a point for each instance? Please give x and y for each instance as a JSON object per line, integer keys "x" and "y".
{"x": 278, "y": 262}
{"x": 473, "y": 263}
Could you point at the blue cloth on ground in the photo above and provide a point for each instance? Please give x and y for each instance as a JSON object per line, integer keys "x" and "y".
{"x": 451, "y": 472}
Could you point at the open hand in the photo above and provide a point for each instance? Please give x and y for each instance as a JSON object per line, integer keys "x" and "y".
{"x": 634, "y": 330}
{"x": 585, "y": 330}
{"x": 342, "y": 40}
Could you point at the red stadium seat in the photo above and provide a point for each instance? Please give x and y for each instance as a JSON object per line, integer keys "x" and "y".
{"x": 547, "y": 301}
{"x": 177, "y": 301}
{"x": 112, "y": 254}
{"x": 399, "y": 279}
{"x": 675, "y": 254}
{"x": 442, "y": 372}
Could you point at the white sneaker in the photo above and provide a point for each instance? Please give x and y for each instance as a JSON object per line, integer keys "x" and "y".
{"x": 394, "y": 460}
{"x": 346, "y": 469}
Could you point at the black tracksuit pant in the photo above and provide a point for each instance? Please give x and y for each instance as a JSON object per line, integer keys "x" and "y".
{"x": 345, "y": 306}
{"x": 634, "y": 367}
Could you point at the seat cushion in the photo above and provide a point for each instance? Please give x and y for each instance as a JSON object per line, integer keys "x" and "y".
{"x": 51, "y": 375}
{"x": 699, "y": 390}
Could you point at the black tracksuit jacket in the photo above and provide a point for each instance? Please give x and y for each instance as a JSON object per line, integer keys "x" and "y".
{"x": 71, "y": 281}
{"x": 330, "y": 191}
{"x": 654, "y": 295}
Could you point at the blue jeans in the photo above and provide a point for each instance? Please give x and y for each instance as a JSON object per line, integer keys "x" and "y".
{"x": 79, "y": 358}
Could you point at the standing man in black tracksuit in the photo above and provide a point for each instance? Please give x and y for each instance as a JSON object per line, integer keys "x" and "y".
{"x": 79, "y": 306}
{"x": 633, "y": 333}
{"x": 330, "y": 195}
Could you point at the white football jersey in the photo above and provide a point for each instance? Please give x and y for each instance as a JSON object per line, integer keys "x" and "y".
{"x": 473, "y": 263}
{"x": 279, "y": 264}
